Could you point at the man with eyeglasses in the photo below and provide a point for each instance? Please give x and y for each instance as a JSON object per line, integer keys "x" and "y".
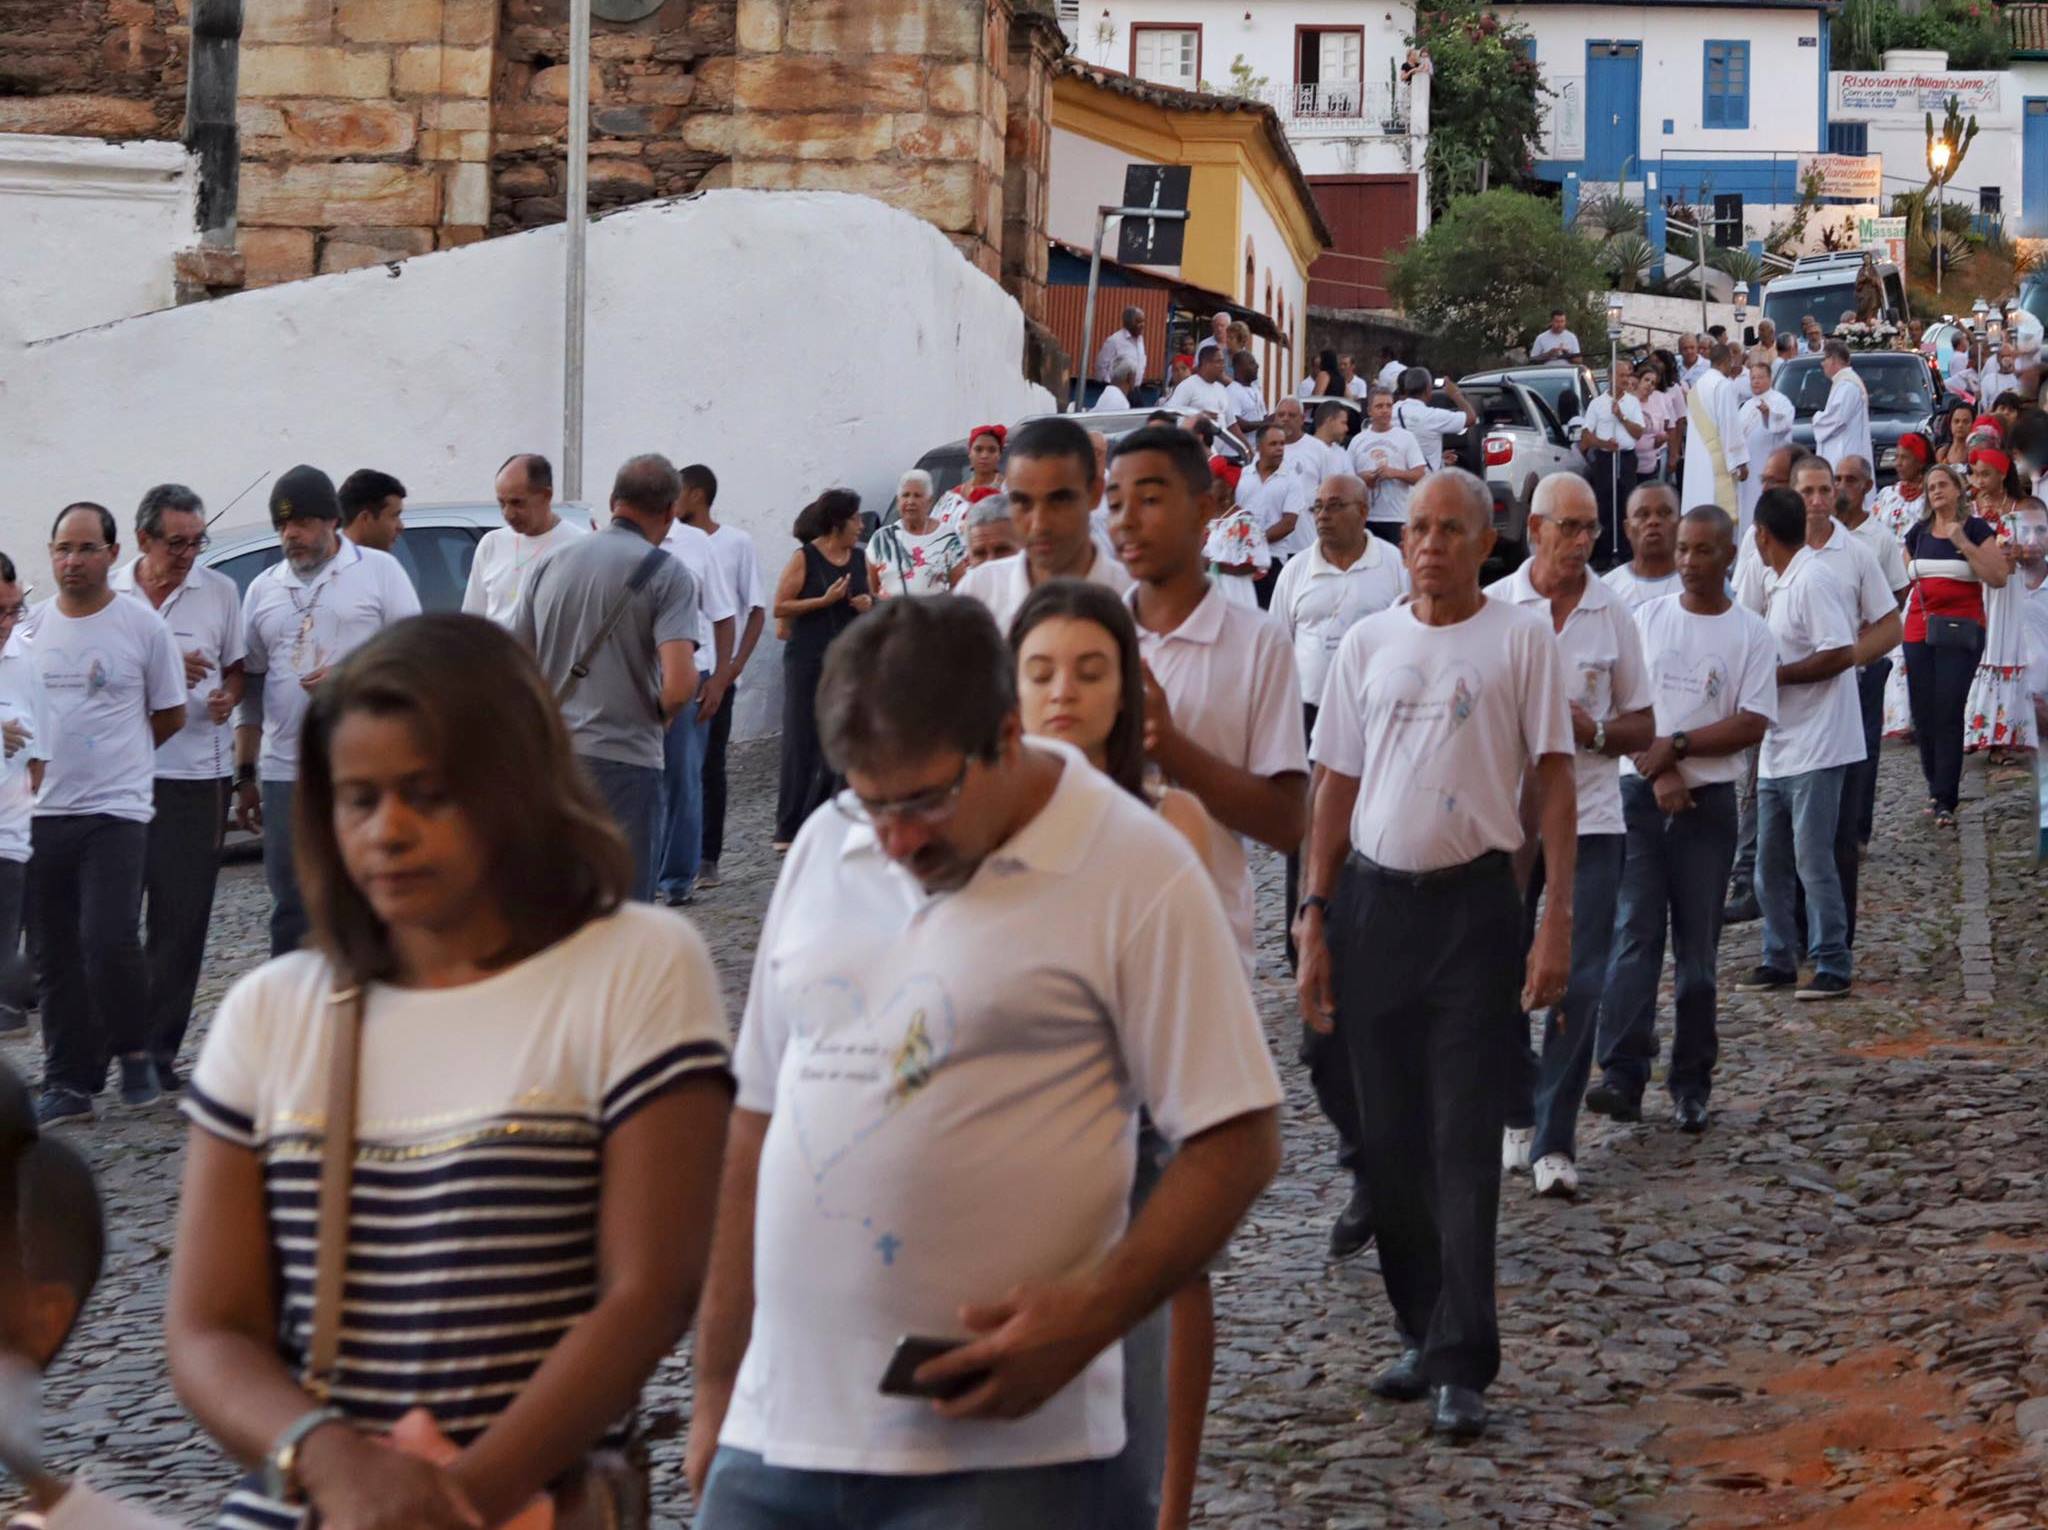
{"x": 302, "y": 615}
{"x": 934, "y": 1131}
{"x": 113, "y": 690}
{"x": 1610, "y": 698}
{"x": 203, "y": 609}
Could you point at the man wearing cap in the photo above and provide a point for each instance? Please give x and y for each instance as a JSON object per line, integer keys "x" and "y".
{"x": 302, "y": 615}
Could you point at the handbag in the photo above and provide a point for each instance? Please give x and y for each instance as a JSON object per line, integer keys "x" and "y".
{"x": 1948, "y": 631}
{"x": 607, "y": 1490}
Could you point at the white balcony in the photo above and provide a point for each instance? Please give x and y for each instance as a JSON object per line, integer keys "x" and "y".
{"x": 1564, "y": 117}
{"x": 1342, "y": 110}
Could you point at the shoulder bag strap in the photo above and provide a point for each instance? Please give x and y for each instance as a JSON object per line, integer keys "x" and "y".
{"x": 337, "y": 1173}
{"x": 580, "y": 670}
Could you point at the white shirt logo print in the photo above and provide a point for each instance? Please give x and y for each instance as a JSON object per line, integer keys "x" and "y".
{"x": 1427, "y": 715}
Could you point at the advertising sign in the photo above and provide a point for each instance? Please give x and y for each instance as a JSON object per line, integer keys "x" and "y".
{"x": 1876, "y": 93}
{"x": 1852, "y": 177}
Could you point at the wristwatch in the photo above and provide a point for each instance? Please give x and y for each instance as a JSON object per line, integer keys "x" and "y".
{"x": 1600, "y": 737}
{"x": 281, "y": 1466}
{"x": 1317, "y": 902}
{"x": 1681, "y": 743}
{"x": 245, "y": 775}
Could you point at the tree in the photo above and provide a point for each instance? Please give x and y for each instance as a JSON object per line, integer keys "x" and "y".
{"x": 1485, "y": 113}
{"x": 1489, "y": 271}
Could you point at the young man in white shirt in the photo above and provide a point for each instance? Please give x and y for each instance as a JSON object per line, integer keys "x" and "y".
{"x": 203, "y": 609}
{"x": 1205, "y": 390}
{"x": 1223, "y": 706}
{"x": 974, "y": 970}
{"x": 1610, "y": 699}
{"x": 301, "y": 616}
{"x": 113, "y": 690}
{"x": 740, "y": 563}
{"x": 1346, "y": 575}
{"x": 1610, "y": 428}
{"x": 688, "y": 739}
{"x": 1389, "y": 462}
{"x": 525, "y": 489}
{"x": 1247, "y": 405}
{"x": 1817, "y": 736}
{"x": 372, "y": 509}
{"x": 1411, "y": 932}
{"x": 1853, "y": 483}
{"x": 1052, "y": 486}
{"x": 1713, "y": 673}
{"x": 1423, "y": 420}
{"x": 1278, "y": 499}
{"x": 1556, "y": 343}
{"x": 1842, "y": 428}
{"x": 1391, "y": 368}
{"x": 1652, "y": 570}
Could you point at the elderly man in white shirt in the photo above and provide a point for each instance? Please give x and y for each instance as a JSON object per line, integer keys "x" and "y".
{"x": 1716, "y": 457}
{"x": 1126, "y": 344}
{"x": 1692, "y": 363}
{"x": 525, "y": 488}
{"x": 1842, "y": 428}
{"x": 1116, "y": 393}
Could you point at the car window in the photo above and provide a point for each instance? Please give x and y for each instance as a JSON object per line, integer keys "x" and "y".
{"x": 1826, "y": 302}
{"x": 1897, "y": 384}
{"x": 244, "y": 567}
{"x": 437, "y": 559}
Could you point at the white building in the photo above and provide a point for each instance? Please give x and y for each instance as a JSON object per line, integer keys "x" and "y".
{"x": 1332, "y": 72}
{"x": 1700, "y": 105}
{"x": 1884, "y": 112}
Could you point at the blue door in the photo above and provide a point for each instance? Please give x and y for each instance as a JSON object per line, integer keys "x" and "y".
{"x": 2034, "y": 168}
{"x": 1614, "y": 87}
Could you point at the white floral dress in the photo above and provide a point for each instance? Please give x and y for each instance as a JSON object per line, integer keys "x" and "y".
{"x": 1999, "y": 713}
{"x": 1898, "y": 512}
{"x": 1235, "y": 540}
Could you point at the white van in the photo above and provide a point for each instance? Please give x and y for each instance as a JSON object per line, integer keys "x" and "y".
{"x": 1825, "y": 286}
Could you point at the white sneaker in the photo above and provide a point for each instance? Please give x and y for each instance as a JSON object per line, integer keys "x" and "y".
{"x": 1557, "y": 1175}
{"x": 1515, "y": 1143}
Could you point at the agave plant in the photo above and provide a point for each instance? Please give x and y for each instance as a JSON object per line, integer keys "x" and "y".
{"x": 1609, "y": 215}
{"x": 1744, "y": 267}
{"x": 1952, "y": 251}
{"x": 1629, "y": 257}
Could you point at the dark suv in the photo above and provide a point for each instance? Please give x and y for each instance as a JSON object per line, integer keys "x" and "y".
{"x": 1901, "y": 400}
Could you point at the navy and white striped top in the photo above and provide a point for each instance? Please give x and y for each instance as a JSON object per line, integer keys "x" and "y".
{"x": 482, "y": 1113}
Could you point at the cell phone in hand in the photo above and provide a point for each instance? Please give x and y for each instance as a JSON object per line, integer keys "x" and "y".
{"x": 899, "y": 1380}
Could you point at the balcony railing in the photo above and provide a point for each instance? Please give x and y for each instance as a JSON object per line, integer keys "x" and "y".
{"x": 1345, "y": 108}
{"x": 1564, "y": 117}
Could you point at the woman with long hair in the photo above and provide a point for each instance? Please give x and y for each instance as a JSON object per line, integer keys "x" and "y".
{"x": 534, "y": 1076}
{"x": 985, "y": 444}
{"x": 823, "y": 587}
{"x": 1952, "y": 557}
{"x": 1897, "y": 507}
{"x": 1080, "y": 680}
{"x": 1999, "y": 711}
{"x": 1326, "y": 380}
{"x": 1953, "y": 434}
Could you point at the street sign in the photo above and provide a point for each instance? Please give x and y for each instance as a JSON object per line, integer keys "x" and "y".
{"x": 1153, "y": 241}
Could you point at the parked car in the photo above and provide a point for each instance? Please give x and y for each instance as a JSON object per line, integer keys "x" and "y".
{"x": 1901, "y": 400}
{"x": 1522, "y": 439}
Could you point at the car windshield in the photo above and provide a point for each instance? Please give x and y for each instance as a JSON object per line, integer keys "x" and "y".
{"x": 1897, "y": 383}
{"x": 1826, "y": 302}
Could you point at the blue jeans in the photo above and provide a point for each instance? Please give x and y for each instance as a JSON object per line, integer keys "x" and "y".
{"x": 1796, "y": 818}
{"x": 1568, "y": 1028}
{"x": 745, "y": 1493}
{"x": 681, "y": 839}
{"x": 1677, "y": 865}
{"x": 287, "y": 909}
{"x": 633, "y": 794}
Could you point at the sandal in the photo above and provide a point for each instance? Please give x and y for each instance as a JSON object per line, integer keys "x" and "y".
{"x": 1944, "y": 820}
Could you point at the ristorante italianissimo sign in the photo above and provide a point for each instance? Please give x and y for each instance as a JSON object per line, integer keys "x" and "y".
{"x": 1880, "y": 93}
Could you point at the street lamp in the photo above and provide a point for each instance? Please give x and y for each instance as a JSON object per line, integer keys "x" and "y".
{"x": 1939, "y": 153}
{"x": 1613, "y": 509}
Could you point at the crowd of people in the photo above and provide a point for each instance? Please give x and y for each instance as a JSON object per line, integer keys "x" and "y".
{"x": 477, "y": 1148}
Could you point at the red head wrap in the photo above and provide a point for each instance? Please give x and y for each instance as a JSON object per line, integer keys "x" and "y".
{"x": 1994, "y": 456}
{"x": 1225, "y": 469}
{"x": 1990, "y": 422}
{"x": 1001, "y": 434}
{"x": 1912, "y": 441}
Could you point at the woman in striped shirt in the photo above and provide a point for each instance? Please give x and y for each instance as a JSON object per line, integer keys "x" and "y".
{"x": 540, "y": 1114}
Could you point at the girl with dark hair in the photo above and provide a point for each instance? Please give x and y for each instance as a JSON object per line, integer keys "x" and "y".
{"x": 1999, "y": 712}
{"x": 823, "y": 587}
{"x": 985, "y": 447}
{"x": 1327, "y": 380}
{"x": 506, "y": 1087}
{"x": 1080, "y": 680}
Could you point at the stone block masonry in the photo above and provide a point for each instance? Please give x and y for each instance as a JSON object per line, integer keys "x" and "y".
{"x": 93, "y": 68}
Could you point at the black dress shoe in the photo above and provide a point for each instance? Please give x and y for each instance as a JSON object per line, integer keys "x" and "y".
{"x": 1692, "y": 1114}
{"x": 1459, "y": 1414}
{"x": 1351, "y": 1235}
{"x": 1617, "y": 1102}
{"x": 1402, "y": 1381}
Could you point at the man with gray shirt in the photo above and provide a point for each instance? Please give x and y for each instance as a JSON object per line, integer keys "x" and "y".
{"x": 613, "y": 620}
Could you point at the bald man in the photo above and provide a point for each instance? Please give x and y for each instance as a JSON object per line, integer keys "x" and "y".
{"x": 1411, "y": 932}
{"x": 1127, "y": 344}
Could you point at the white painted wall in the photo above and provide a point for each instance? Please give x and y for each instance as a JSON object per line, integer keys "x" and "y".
{"x": 1900, "y": 134}
{"x": 1272, "y": 258}
{"x": 88, "y": 230}
{"x": 703, "y": 344}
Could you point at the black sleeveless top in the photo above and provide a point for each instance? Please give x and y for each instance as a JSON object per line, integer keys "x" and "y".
{"x": 810, "y": 632}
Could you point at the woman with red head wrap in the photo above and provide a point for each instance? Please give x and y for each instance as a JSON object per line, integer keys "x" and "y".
{"x": 985, "y": 445}
{"x": 1999, "y": 715}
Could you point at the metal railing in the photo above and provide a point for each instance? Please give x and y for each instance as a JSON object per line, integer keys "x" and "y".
{"x": 1346, "y": 107}
{"x": 1564, "y": 117}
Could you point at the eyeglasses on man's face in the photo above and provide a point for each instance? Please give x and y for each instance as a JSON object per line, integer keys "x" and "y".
{"x": 926, "y": 808}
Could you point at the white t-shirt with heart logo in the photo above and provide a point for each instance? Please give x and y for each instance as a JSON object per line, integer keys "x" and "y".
{"x": 1438, "y": 724}
{"x": 1705, "y": 669}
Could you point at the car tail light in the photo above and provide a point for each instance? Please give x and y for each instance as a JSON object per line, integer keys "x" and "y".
{"x": 1500, "y": 451}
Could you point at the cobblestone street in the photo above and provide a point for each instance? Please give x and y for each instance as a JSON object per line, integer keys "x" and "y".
{"x": 1825, "y": 1312}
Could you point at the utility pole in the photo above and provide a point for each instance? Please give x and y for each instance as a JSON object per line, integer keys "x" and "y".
{"x": 574, "y": 228}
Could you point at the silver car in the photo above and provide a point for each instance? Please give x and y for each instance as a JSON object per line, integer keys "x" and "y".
{"x": 1522, "y": 439}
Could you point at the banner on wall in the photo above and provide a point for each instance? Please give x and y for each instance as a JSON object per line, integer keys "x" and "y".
{"x": 1887, "y": 236}
{"x": 1852, "y": 177}
{"x": 1881, "y": 93}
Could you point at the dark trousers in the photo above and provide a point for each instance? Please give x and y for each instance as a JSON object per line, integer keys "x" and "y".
{"x": 807, "y": 782}
{"x": 633, "y": 795}
{"x": 1675, "y": 869}
{"x": 1613, "y": 477}
{"x": 13, "y": 900}
{"x": 1437, "y": 961}
{"x": 287, "y": 909}
{"x": 714, "y": 777}
{"x": 85, "y": 910}
{"x": 179, "y": 871}
{"x": 1938, "y": 690}
{"x": 1545, "y": 1091}
{"x": 1859, "y": 788}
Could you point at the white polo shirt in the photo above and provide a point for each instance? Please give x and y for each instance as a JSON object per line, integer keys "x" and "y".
{"x": 741, "y": 561}
{"x": 1703, "y": 670}
{"x": 497, "y": 574}
{"x": 1316, "y": 603}
{"x": 101, "y": 676}
{"x": 1228, "y": 674}
{"x": 1604, "y": 418}
{"x": 715, "y": 603}
{"x": 1315, "y": 460}
{"x": 204, "y": 615}
{"x": 1636, "y": 591}
{"x": 1429, "y": 425}
{"x": 1604, "y": 668}
{"x": 1390, "y": 448}
{"x": 1269, "y": 499}
{"x": 1819, "y": 725}
{"x": 1211, "y": 397}
{"x": 1861, "y": 585}
{"x": 21, "y": 702}
{"x": 1439, "y": 724}
{"x": 953, "y": 1083}
{"x": 1002, "y": 584}
{"x": 1245, "y": 401}
{"x": 1885, "y": 550}
{"x": 294, "y": 629}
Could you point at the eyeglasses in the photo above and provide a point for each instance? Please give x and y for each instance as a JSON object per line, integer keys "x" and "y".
{"x": 178, "y": 547}
{"x": 923, "y": 808}
{"x": 62, "y": 551}
{"x": 1575, "y": 529}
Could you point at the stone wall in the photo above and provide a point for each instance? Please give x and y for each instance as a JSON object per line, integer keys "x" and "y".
{"x": 1035, "y": 43}
{"x": 93, "y": 68}
{"x": 659, "y": 89}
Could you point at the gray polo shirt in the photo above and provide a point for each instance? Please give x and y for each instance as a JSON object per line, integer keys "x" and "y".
{"x": 615, "y": 713}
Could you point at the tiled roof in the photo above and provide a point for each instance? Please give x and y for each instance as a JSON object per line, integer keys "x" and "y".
{"x": 2028, "y": 27}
